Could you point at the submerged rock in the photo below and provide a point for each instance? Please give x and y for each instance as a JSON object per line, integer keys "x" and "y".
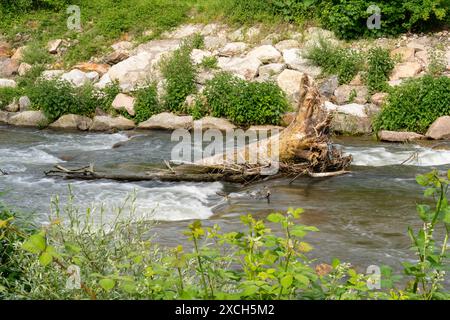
{"x": 399, "y": 136}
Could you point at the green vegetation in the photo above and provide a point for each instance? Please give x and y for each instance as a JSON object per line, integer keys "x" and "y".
{"x": 209, "y": 63}
{"x": 380, "y": 66}
{"x": 245, "y": 102}
{"x": 118, "y": 260}
{"x": 147, "y": 103}
{"x": 437, "y": 64}
{"x": 415, "y": 104}
{"x": 343, "y": 62}
{"x": 7, "y": 95}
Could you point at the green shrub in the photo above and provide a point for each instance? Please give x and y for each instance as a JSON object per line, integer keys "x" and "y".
{"x": 343, "y": 62}
{"x": 24, "y": 5}
{"x": 36, "y": 54}
{"x": 199, "y": 109}
{"x": 56, "y": 98}
{"x": 180, "y": 75}
{"x": 415, "y": 104}
{"x": 347, "y": 18}
{"x": 438, "y": 63}
{"x": 380, "y": 66}
{"x": 209, "y": 63}
{"x": 7, "y": 95}
{"x": 147, "y": 103}
{"x": 243, "y": 102}
{"x": 106, "y": 96}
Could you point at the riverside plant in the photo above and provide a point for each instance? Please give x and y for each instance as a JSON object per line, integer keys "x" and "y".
{"x": 118, "y": 258}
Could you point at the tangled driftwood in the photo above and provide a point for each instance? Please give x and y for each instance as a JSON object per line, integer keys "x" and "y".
{"x": 304, "y": 147}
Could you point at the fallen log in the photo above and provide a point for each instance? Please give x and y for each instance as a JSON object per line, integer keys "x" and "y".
{"x": 303, "y": 148}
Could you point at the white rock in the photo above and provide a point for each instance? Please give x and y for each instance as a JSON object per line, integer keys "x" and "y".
{"x": 51, "y": 74}
{"x": 28, "y": 119}
{"x": 12, "y": 107}
{"x": 197, "y": 55}
{"x": 4, "y": 117}
{"x": 269, "y": 70}
{"x": 24, "y": 68}
{"x": 184, "y": 31}
{"x": 266, "y": 54}
{"x": 252, "y": 33}
{"x": 440, "y": 129}
{"x": 53, "y": 46}
{"x": 399, "y": 136}
{"x": 357, "y": 94}
{"x": 295, "y": 61}
{"x": 24, "y": 103}
{"x": 233, "y": 49}
{"x": 289, "y": 82}
{"x": 122, "y": 46}
{"x": 7, "y": 83}
{"x": 75, "y": 77}
{"x": 214, "y": 42}
{"x": 237, "y": 35}
{"x": 124, "y": 102}
{"x": 405, "y": 70}
{"x": 246, "y": 68}
{"x": 107, "y": 123}
{"x": 72, "y": 122}
{"x": 287, "y": 44}
{"x": 105, "y": 80}
{"x": 167, "y": 121}
{"x": 207, "y": 123}
{"x": 93, "y": 76}
{"x": 353, "y": 109}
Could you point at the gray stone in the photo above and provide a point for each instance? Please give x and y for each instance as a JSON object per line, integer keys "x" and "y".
{"x": 207, "y": 123}
{"x": 396, "y": 136}
{"x": 440, "y": 129}
{"x": 4, "y": 117}
{"x": 51, "y": 74}
{"x": 265, "y": 54}
{"x": 328, "y": 87}
{"x": 125, "y": 103}
{"x": 76, "y": 77}
{"x": 167, "y": 121}
{"x": 108, "y": 123}
{"x": 287, "y": 44}
{"x": 24, "y": 103}
{"x": 24, "y": 68}
{"x": 246, "y": 68}
{"x": 214, "y": 43}
{"x": 233, "y": 49}
{"x": 13, "y": 106}
{"x": 54, "y": 45}
{"x": 72, "y": 122}
{"x": 4, "y": 83}
{"x": 347, "y": 93}
{"x": 28, "y": 119}
{"x": 289, "y": 82}
{"x": 269, "y": 70}
{"x": 295, "y": 61}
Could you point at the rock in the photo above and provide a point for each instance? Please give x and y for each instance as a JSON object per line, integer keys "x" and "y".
{"x": 24, "y": 103}
{"x": 104, "y": 82}
{"x": 237, "y": 35}
{"x": 406, "y": 54}
{"x": 75, "y": 77}
{"x": 268, "y": 128}
{"x": 122, "y": 46}
{"x": 93, "y": 76}
{"x": 423, "y": 56}
{"x": 167, "y": 121}
{"x": 328, "y": 87}
{"x": 266, "y": 54}
{"x": 287, "y": 44}
{"x": 205, "y": 76}
{"x": 53, "y": 46}
{"x": 394, "y": 83}
{"x": 24, "y": 68}
{"x": 72, "y": 122}
{"x": 197, "y": 55}
{"x": 269, "y": 70}
{"x": 379, "y": 98}
{"x": 9, "y": 67}
{"x": 357, "y": 80}
{"x": 116, "y": 57}
{"x": 156, "y": 47}
{"x": 124, "y": 102}
{"x": 447, "y": 55}
{"x": 405, "y": 70}
{"x": 4, "y": 117}
{"x": 214, "y": 43}
{"x": 347, "y": 93}
{"x": 420, "y": 44}
{"x": 295, "y": 61}
{"x": 18, "y": 54}
{"x": 252, "y": 33}
{"x": 12, "y": 107}
{"x": 396, "y": 136}
{"x": 354, "y": 109}
{"x": 51, "y": 74}
{"x": 208, "y": 123}
{"x": 314, "y": 34}
{"x": 5, "y": 49}
{"x": 101, "y": 69}
{"x": 440, "y": 129}
{"x": 350, "y": 124}
{"x": 184, "y": 31}
{"x": 28, "y": 119}
{"x": 289, "y": 82}
{"x": 4, "y": 83}
{"x": 246, "y": 68}
{"x": 233, "y": 49}
{"x": 108, "y": 123}
{"x": 210, "y": 29}
{"x": 287, "y": 118}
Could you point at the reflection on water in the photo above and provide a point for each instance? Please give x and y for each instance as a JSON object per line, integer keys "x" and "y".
{"x": 362, "y": 216}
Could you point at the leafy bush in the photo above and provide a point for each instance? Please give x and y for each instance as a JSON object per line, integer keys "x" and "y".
{"x": 438, "y": 63}
{"x": 180, "y": 75}
{"x": 245, "y": 102}
{"x": 7, "y": 95}
{"x": 347, "y": 18}
{"x": 343, "y": 62}
{"x": 415, "y": 104}
{"x": 56, "y": 98}
{"x": 209, "y": 63}
{"x": 380, "y": 66}
{"x": 147, "y": 103}
{"x": 21, "y": 5}
{"x": 36, "y": 54}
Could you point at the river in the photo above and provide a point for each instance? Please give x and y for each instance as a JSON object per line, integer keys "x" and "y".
{"x": 362, "y": 216}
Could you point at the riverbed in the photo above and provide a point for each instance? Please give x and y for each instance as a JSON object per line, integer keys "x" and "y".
{"x": 362, "y": 216}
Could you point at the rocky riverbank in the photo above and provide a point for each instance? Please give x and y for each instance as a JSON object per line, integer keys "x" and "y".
{"x": 251, "y": 54}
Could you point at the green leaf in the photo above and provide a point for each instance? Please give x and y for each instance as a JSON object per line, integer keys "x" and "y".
{"x": 275, "y": 217}
{"x": 422, "y": 180}
{"x": 286, "y": 281}
{"x": 128, "y": 286}
{"x": 107, "y": 284}
{"x": 45, "y": 258}
{"x": 35, "y": 243}
{"x": 302, "y": 279}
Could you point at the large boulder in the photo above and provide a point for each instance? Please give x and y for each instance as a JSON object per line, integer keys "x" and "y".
{"x": 125, "y": 103}
{"x": 349, "y": 119}
{"x": 405, "y": 53}
{"x": 233, "y": 49}
{"x": 108, "y": 123}
{"x": 207, "y": 123}
{"x": 265, "y": 54}
{"x": 72, "y": 122}
{"x": 4, "y": 117}
{"x": 295, "y": 60}
{"x": 28, "y": 119}
{"x": 287, "y": 44}
{"x": 101, "y": 69}
{"x": 289, "y": 82}
{"x": 9, "y": 67}
{"x": 167, "y": 121}
{"x": 405, "y": 70}
{"x": 269, "y": 70}
{"x": 76, "y": 77}
{"x": 246, "y": 68}
{"x": 353, "y": 109}
{"x": 347, "y": 93}
{"x": 399, "y": 136}
{"x": 440, "y": 129}
{"x": 13, "y": 106}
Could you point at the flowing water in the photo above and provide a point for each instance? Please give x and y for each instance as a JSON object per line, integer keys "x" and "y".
{"x": 362, "y": 216}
